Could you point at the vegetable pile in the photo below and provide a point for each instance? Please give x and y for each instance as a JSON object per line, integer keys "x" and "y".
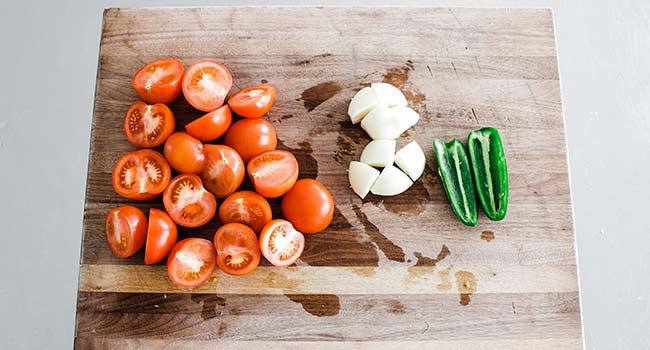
{"x": 192, "y": 174}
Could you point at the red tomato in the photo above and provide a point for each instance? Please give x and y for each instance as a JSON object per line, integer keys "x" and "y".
{"x": 210, "y": 126}
{"x": 187, "y": 202}
{"x": 126, "y": 228}
{"x": 161, "y": 236}
{"x": 148, "y": 125}
{"x": 250, "y": 137}
{"x": 248, "y": 208}
{"x": 206, "y": 84}
{"x": 238, "y": 252}
{"x": 280, "y": 243}
{"x": 191, "y": 262}
{"x": 309, "y": 206}
{"x": 184, "y": 153}
{"x": 159, "y": 81}
{"x": 254, "y": 101}
{"x": 273, "y": 173}
{"x": 141, "y": 175}
{"x": 224, "y": 170}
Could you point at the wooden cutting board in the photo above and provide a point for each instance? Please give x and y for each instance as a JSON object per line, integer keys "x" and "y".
{"x": 389, "y": 273}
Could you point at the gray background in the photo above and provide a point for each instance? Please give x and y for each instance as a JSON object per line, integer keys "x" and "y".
{"x": 48, "y": 67}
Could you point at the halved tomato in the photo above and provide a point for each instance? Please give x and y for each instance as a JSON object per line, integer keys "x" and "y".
{"x": 254, "y": 101}
{"x": 273, "y": 173}
{"x": 187, "y": 202}
{"x": 184, "y": 153}
{"x": 250, "y": 137}
{"x": 238, "y": 251}
{"x": 210, "y": 126}
{"x": 206, "y": 84}
{"x": 141, "y": 175}
{"x": 191, "y": 262}
{"x": 126, "y": 228}
{"x": 280, "y": 243}
{"x": 159, "y": 81}
{"x": 309, "y": 206}
{"x": 161, "y": 236}
{"x": 224, "y": 170}
{"x": 248, "y": 208}
{"x": 148, "y": 125}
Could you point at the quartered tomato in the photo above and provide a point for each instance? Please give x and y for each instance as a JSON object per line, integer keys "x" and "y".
{"x": 280, "y": 243}
{"x": 141, "y": 175}
{"x": 206, "y": 84}
{"x": 248, "y": 208}
{"x": 254, "y": 101}
{"x": 187, "y": 202}
{"x": 238, "y": 252}
{"x": 191, "y": 262}
{"x": 273, "y": 173}
{"x": 224, "y": 170}
{"x": 250, "y": 137}
{"x": 309, "y": 206}
{"x": 159, "y": 81}
{"x": 161, "y": 236}
{"x": 126, "y": 228}
{"x": 210, "y": 126}
{"x": 148, "y": 125}
{"x": 184, "y": 153}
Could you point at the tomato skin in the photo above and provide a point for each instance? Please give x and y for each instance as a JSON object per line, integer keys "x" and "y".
{"x": 154, "y": 87}
{"x": 280, "y": 243}
{"x": 162, "y": 234}
{"x": 129, "y": 170}
{"x": 253, "y": 101}
{"x": 309, "y": 206}
{"x": 188, "y": 252}
{"x": 224, "y": 170}
{"x": 210, "y": 126}
{"x": 140, "y": 115}
{"x": 273, "y": 173}
{"x": 248, "y": 208}
{"x": 201, "y": 75}
{"x": 184, "y": 153}
{"x": 130, "y": 219}
{"x": 250, "y": 137}
{"x": 236, "y": 244}
{"x": 187, "y": 202}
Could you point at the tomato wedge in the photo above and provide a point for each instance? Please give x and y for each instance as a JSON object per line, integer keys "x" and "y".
{"x": 184, "y": 153}
{"x": 250, "y": 137}
{"x": 161, "y": 236}
{"x": 224, "y": 170}
{"x": 148, "y": 125}
{"x": 187, "y": 202}
{"x": 309, "y": 206}
{"x": 206, "y": 84}
{"x": 280, "y": 243}
{"x": 191, "y": 262}
{"x": 141, "y": 175}
{"x": 210, "y": 126}
{"x": 159, "y": 81}
{"x": 126, "y": 228}
{"x": 273, "y": 173}
{"x": 248, "y": 208}
{"x": 253, "y": 101}
{"x": 238, "y": 251}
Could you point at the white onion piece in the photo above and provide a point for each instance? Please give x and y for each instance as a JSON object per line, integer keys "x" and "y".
{"x": 389, "y": 94}
{"x": 407, "y": 117}
{"x": 411, "y": 160}
{"x": 362, "y": 177}
{"x": 391, "y": 182}
{"x": 379, "y": 153}
{"x": 380, "y": 124}
{"x": 361, "y": 104}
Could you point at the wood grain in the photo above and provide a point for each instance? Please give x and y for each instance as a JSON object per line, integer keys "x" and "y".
{"x": 397, "y": 272}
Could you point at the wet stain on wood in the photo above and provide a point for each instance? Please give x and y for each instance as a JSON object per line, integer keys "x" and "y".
{"x": 390, "y": 249}
{"x": 411, "y": 202}
{"x": 209, "y": 305}
{"x": 264, "y": 81}
{"x": 345, "y": 151}
{"x": 223, "y": 326}
{"x": 466, "y": 284}
{"x": 309, "y": 60}
{"x": 279, "y": 280}
{"x": 316, "y": 95}
{"x": 423, "y": 260}
{"x": 445, "y": 279}
{"x": 399, "y": 77}
{"x": 396, "y": 307}
{"x": 306, "y": 162}
{"x": 320, "y": 305}
{"x": 487, "y": 236}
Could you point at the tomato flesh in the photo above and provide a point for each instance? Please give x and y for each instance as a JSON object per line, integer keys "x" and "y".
{"x": 187, "y": 202}
{"x": 280, "y": 243}
{"x": 309, "y": 206}
{"x": 246, "y": 207}
{"x": 126, "y": 228}
{"x": 159, "y": 81}
{"x": 250, "y": 137}
{"x": 191, "y": 262}
{"x": 224, "y": 170}
{"x": 162, "y": 234}
{"x": 238, "y": 251}
{"x": 141, "y": 175}
{"x": 273, "y": 173}
{"x": 211, "y": 126}
{"x": 254, "y": 101}
{"x": 148, "y": 125}
{"x": 206, "y": 84}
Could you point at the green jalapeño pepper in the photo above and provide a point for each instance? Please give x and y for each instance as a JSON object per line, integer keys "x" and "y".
{"x": 490, "y": 172}
{"x": 456, "y": 176}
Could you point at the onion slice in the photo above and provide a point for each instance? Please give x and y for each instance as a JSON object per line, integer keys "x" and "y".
{"x": 391, "y": 182}
{"x": 379, "y": 153}
{"x": 362, "y": 177}
{"x": 411, "y": 160}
